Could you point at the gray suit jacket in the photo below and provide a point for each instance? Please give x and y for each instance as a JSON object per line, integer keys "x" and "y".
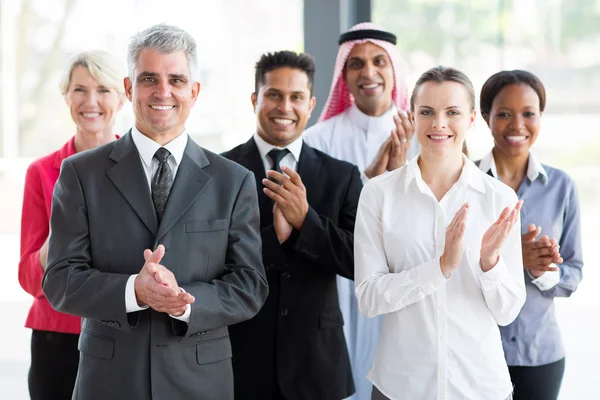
{"x": 102, "y": 220}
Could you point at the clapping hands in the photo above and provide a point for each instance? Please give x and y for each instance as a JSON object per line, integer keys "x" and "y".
{"x": 539, "y": 255}
{"x": 156, "y": 286}
{"x": 393, "y": 153}
{"x": 492, "y": 240}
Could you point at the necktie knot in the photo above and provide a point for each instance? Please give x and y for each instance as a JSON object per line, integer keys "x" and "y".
{"x": 162, "y": 155}
{"x": 277, "y": 155}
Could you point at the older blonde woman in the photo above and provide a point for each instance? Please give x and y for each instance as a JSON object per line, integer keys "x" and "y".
{"x": 92, "y": 86}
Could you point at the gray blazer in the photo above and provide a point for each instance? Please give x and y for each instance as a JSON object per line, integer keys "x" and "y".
{"x": 102, "y": 220}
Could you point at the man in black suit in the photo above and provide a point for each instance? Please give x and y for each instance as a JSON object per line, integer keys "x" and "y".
{"x": 295, "y": 348}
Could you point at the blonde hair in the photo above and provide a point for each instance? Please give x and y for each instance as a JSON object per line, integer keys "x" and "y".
{"x": 102, "y": 66}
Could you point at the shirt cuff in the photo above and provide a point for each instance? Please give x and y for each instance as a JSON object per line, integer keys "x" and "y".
{"x": 131, "y": 304}
{"x": 363, "y": 177}
{"x": 185, "y": 317}
{"x": 548, "y": 280}
{"x": 430, "y": 277}
{"x": 494, "y": 276}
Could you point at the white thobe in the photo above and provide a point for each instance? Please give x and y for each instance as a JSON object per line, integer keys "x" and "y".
{"x": 355, "y": 137}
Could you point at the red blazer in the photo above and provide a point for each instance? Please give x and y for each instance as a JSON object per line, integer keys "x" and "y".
{"x": 41, "y": 177}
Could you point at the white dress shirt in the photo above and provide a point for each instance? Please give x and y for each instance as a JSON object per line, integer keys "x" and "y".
{"x": 290, "y": 160}
{"x": 355, "y": 137}
{"x": 147, "y": 148}
{"x": 548, "y": 279}
{"x": 440, "y": 338}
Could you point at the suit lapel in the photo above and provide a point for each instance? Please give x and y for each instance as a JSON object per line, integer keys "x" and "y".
{"x": 309, "y": 167}
{"x": 190, "y": 182}
{"x": 130, "y": 180}
{"x": 250, "y": 158}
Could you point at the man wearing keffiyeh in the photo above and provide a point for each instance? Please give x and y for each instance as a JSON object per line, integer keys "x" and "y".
{"x": 365, "y": 121}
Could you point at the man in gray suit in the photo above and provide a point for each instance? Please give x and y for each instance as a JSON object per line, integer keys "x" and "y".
{"x": 155, "y": 322}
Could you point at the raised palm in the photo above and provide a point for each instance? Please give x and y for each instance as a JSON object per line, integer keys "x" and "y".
{"x": 496, "y": 234}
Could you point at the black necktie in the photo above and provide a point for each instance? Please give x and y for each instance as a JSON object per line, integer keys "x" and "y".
{"x": 277, "y": 156}
{"x": 161, "y": 181}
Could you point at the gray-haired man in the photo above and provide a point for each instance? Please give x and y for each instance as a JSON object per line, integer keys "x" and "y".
{"x": 155, "y": 322}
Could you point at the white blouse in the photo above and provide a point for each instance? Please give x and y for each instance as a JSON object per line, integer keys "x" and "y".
{"x": 440, "y": 338}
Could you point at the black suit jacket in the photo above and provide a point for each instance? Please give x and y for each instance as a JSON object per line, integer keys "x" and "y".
{"x": 296, "y": 340}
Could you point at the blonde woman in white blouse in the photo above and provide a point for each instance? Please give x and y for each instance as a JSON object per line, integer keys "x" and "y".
{"x": 438, "y": 253}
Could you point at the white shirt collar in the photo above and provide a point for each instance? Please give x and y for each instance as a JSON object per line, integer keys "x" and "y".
{"x": 264, "y": 148}
{"x": 148, "y": 147}
{"x": 534, "y": 168}
{"x": 470, "y": 175}
{"x": 372, "y": 124}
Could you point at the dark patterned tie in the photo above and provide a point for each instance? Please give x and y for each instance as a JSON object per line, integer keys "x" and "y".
{"x": 276, "y": 156}
{"x": 161, "y": 182}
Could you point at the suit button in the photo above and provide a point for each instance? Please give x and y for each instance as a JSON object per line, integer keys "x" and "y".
{"x": 286, "y": 275}
{"x": 513, "y": 339}
{"x": 48, "y": 336}
{"x": 284, "y": 312}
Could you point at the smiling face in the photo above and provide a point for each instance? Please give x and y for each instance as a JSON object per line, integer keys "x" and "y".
{"x": 442, "y": 116}
{"x": 162, "y": 94}
{"x": 514, "y": 119}
{"x": 370, "y": 78}
{"x": 92, "y": 105}
{"x": 283, "y": 105}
